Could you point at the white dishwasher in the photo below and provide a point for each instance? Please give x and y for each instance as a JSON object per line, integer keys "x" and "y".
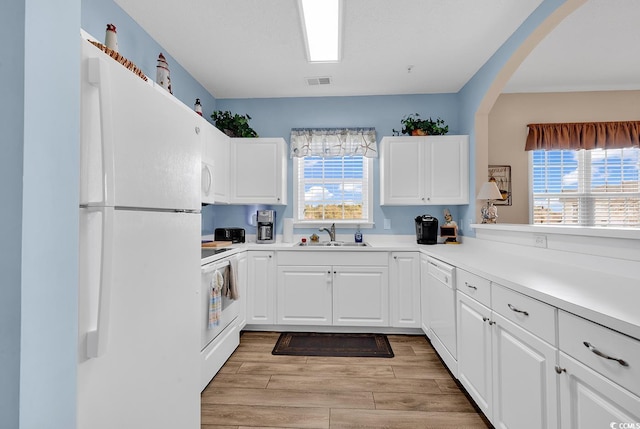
{"x": 442, "y": 308}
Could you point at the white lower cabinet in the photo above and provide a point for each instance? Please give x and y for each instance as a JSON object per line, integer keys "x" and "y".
{"x": 591, "y": 401}
{"x": 333, "y": 295}
{"x": 507, "y": 370}
{"x": 474, "y": 351}
{"x": 425, "y": 322}
{"x": 361, "y": 296}
{"x": 404, "y": 289}
{"x": 525, "y": 382}
{"x": 241, "y": 274}
{"x": 599, "y": 372}
{"x": 261, "y": 287}
{"x": 304, "y": 295}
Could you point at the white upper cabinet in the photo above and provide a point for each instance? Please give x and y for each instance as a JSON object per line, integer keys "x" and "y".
{"x": 210, "y": 138}
{"x": 258, "y": 171}
{"x": 432, "y": 170}
{"x": 219, "y": 147}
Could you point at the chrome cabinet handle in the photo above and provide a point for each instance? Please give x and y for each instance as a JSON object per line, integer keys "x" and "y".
{"x": 484, "y": 319}
{"x": 512, "y": 308}
{"x": 470, "y": 286}
{"x": 560, "y": 370}
{"x": 602, "y": 355}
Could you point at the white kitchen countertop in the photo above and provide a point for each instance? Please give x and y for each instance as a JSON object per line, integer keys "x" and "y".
{"x": 612, "y": 300}
{"x": 593, "y": 290}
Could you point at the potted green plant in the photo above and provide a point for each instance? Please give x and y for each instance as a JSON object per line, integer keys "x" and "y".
{"x": 414, "y": 125}
{"x": 233, "y": 125}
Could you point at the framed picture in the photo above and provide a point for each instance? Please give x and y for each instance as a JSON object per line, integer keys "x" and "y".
{"x": 501, "y": 174}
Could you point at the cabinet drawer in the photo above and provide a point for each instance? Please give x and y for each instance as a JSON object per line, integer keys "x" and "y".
{"x": 533, "y": 315}
{"x": 576, "y": 331}
{"x": 474, "y": 286}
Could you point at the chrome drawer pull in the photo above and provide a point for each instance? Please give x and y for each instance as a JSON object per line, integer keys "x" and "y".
{"x": 470, "y": 286}
{"x": 512, "y": 308}
{"x": 484, "y": 319}
{"x": 602, "y": 355}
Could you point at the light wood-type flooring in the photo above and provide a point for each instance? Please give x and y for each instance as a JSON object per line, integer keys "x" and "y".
{"x": 413, "y": 390}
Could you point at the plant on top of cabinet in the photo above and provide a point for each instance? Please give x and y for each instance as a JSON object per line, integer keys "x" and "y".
{"x": 233, "y": 125}
{"x": 413, "y": 125}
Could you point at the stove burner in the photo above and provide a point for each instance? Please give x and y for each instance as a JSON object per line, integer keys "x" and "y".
{"x": 212, "y": 251}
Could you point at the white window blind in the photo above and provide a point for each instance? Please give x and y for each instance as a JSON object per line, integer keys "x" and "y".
{"x": 333, "y": 189}
{"x": 598, "y": 187}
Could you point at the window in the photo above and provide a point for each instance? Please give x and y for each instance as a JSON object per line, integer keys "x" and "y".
{"x": 337, "y": 189}
{"x": 596, "y": 187}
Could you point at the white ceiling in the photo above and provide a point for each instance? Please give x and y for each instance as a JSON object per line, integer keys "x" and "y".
{"x": 254, "y": 48}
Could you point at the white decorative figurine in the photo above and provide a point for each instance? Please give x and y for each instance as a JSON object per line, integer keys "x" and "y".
{"x": 448, "y": 219}
{"x": 162, "y": 73}
{"x": 111, "y": 37}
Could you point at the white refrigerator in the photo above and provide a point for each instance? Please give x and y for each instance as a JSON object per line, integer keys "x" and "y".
{"x": 138, "y": 339}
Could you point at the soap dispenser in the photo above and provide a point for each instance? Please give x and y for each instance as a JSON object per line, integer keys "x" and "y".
{"x": 358, "y": 235}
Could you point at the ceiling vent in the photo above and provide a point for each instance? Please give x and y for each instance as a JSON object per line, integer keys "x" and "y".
{"x": 312, "y": 81}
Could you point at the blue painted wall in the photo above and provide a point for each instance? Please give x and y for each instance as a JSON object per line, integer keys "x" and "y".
{"x": 472, "y": 94}
{"x": 274, "y": 117}
{"x": 135, "y": 44}
{"x": 39, "y": 111}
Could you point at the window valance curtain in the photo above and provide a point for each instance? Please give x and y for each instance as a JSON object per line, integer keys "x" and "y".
{"x": 583, "y": 135}
{"x": 333, "y": 142}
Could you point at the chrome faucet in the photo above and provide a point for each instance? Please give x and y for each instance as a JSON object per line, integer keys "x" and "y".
{"x": 332, "y": 231}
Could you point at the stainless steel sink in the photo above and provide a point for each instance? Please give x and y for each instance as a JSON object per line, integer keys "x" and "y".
{"x": 333, "y": 244}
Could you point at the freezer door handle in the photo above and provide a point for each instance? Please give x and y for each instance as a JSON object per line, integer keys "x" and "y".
{"x": 97, "y": 338}
{"x": 98, "y": 76}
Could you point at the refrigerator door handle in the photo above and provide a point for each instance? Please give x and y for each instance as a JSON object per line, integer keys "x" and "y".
{"x": 97, "y": 338}
{"x": 98, "y": 76}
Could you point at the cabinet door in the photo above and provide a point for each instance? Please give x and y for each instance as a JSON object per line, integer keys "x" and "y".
{"x": 401, "y": 171}
{"x": 474, "y": 351}
{"x": 424, "y": 296}
{"x": 524, "y": 379}
{"x": 361, "y": 296}
{"x": 258, "y": 171}
{"x": 208, "y": 159}
{"x": 447, "y": 170}
{"x": 219, "y": 147}
{"x": 591, "y": 401}
{"x": 261, "y": 287}
{"x": 304, "y": 295}
{"x": 404, "y": 289}
{"x": 242, "y": 276}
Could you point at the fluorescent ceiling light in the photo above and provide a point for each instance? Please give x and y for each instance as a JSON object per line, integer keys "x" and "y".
{"x": 321, "y": 19}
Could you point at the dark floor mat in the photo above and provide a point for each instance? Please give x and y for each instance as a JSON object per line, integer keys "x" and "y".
{"x": 338, "y": 345}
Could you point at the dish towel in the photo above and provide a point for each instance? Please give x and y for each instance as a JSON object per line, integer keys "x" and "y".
{"x": 215, "y": 299}
{"x": 231, "y": 280}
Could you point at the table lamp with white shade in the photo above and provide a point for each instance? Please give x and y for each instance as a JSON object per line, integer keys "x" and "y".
{"x": 489, "y": 192}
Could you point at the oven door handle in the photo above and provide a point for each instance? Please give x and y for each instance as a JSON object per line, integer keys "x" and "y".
{"x": 206, "y": 269}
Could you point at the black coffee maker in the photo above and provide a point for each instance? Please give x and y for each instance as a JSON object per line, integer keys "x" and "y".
{"x": 427, "y": 229}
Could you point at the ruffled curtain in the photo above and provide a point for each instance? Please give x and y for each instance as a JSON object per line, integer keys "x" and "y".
{"x": 584, "y": 135}
{"x": 333, "y": 142}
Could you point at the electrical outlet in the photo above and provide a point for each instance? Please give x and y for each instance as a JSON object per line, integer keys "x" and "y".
{"x": 387, "y": 224}
{"x": 541, "y": 241}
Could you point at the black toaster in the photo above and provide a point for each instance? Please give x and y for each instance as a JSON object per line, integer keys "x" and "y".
{"x": 235, "y": 235}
